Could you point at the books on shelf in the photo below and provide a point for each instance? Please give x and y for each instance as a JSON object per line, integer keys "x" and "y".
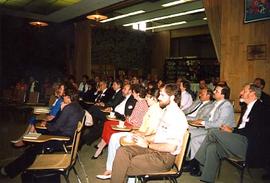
{"x": 31, "y": 135}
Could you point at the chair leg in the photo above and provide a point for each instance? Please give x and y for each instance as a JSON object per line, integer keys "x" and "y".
{"x": 143, "y": 180}
{"x": 174, "y": 180}
{"x": 82, "y": 167}
{"x": 219, "y": 169}
{"x": 76, "y": 173}
{"x": 66, "y": 178}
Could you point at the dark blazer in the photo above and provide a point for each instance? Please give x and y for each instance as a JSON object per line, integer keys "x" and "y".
{"x": 265, "y": 98}
{"x": 104, "y": 97}
{"x": 116, "y": 99}
{"x": 255, "y": 133}
{"x": 66, "y": 123}
{"x": 130, "y": 104}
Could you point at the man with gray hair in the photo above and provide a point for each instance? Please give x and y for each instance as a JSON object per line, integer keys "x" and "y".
{"x": 244, "y": 142}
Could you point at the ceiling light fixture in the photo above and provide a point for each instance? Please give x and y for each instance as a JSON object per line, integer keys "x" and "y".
{"x": 168, "y": 16}
{"x": 97, "y": 17}
{"x": 123, "y": 16}
{"x": 166, "y": 25}
{"x": 175, "y": 3}
{"x": 38, "y": 24}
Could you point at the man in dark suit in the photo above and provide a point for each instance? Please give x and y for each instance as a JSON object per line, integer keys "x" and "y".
{"x": 105, "y": 94}
{"x": 264, "y": 96}
{"x": 244, "y": 142}
{"x": 117, "y": 96}
{"x": 124, "y": 107}
{"x": 65, "y": 125}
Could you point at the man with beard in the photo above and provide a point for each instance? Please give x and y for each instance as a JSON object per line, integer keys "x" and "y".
{"x": 157, "y": 152}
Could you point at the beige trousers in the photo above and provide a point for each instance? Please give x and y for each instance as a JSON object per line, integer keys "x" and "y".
{"x": 135, "y": 160}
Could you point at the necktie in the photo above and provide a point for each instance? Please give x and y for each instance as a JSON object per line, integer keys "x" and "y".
{"x": 196, "y": 108}
{"x": 83, "y": 88}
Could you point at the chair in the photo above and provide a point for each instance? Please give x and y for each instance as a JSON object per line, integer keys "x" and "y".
{"x": 174, "y": 173}
{"x": 33, "y": 98}
{"x": 239, "y": 164}
{"x": 61, "y": 163}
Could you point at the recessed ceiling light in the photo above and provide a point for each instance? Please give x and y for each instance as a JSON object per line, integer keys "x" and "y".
{"x": 175, "y": 3}
{"x": 38, "y": 24}
{"x": 123, "y": 16}
{"x": 168, "y": 16}
{"x": 166, "y": 25}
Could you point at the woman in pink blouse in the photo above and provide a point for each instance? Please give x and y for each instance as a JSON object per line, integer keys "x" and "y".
{"x": 133, "y": 121}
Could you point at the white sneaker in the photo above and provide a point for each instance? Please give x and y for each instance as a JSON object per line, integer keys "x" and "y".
{"x": 103, "y": 177}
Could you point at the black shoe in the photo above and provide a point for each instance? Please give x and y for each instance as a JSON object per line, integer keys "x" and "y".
{"x": 186, "y": 168}
{"x": 94, "y": 157}
{"x": 196, "y": 173}
{"x": 195, "y": 168}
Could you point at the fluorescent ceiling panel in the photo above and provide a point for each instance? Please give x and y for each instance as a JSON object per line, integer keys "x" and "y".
{"x": 166, "y": 25}
{"x": 168, "y": 16}
{"x": 175, "y": 3}
{"x": 123, "y": 16}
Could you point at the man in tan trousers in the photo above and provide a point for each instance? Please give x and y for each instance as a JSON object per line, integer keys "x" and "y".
{"x": 157, "y": 152}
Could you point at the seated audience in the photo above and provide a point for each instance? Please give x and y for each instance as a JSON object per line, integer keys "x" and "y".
{"x": 134, "y": 120}
{"x": 94, "y": 132}
{"x": 104, "y": 93}
{"x": 261, "y": 84}
{"x": 244, "y": 142}
{"x": 148, "y": 127}
{"x": 221, "y": 114}
{"x": 186, "y": 97}
{"x": 54, "y": 112}
{"x": 65, "y": 125}
{"x": 83, "y": 86}
{"x": 157, "y": 152}
{"x": 124, "y": 108}
{"x": 117, "y": 96}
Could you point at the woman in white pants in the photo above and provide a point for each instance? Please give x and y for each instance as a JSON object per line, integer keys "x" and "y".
{"x": 148, "y": 127}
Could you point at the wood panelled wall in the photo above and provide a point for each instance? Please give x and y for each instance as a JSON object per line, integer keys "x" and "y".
{"x": 161, "y": 50}
{"x": 235, "y": 37}
{"x": 82, "y": 52}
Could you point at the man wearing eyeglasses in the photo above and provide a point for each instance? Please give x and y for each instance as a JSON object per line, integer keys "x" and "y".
{"x": 222, "y": 113}
{"x": 157, "y": 152}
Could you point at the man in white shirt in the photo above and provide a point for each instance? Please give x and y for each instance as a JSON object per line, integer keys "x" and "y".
{"x": 157, "y": 152}
{"x": 243, "y": 143}
{"x": 199, "y": 110}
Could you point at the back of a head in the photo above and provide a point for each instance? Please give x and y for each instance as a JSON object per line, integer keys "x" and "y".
{"x": 73, "y": 94}
{"x": 259, "y": 82}
{"x": 257, "y": 90}
{"x": 137, "y": 88}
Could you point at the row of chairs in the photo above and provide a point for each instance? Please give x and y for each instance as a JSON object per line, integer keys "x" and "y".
{"x": 65, "y": 162}
{"x": 61, "y": 163}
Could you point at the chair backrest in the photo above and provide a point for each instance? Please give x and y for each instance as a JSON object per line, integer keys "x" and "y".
{"x": 180, "y": 157}
{"x": 76, "y": 141}
{"x": 19, "y": 96}
{"x": 33, "y": 97}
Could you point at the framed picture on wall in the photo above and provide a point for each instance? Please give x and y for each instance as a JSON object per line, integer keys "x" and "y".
{"x": 256, "y": 52}
{"x": 256, "y": 10}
